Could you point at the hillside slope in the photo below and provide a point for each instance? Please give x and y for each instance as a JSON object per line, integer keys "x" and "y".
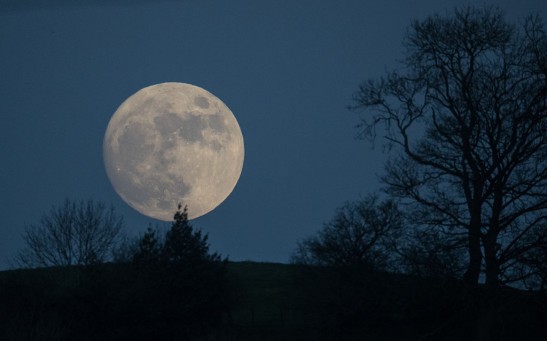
{"x": 267, "y": 301}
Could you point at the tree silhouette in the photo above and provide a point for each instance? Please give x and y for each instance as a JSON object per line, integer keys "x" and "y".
{"x": 180, "y": 288}
{"x": 428, "y": 253}
{"x": 183, "y": 243}
{"x": 468, "y": 119}
{"x": 359, "y": 235}
{"x": 148, "y": 248}
{"x": 75, "y": 233}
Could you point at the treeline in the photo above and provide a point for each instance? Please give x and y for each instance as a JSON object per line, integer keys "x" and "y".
{"x": 168, "y": 287}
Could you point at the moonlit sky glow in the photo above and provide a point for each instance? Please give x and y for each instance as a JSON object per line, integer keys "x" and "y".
{"x": 286, "y": 69}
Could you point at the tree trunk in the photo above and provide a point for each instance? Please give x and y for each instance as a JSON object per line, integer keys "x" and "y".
{"x": 491, "y": 261}
{"x": 471, "y": 276}
{"x": 487, "y": 322}
{"x": 487, "y": 328}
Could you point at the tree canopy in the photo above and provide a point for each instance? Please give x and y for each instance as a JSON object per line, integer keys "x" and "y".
{"x": 359, "y": 235}
{"x": 74, "y": 233}
{"x": 466, "y": 118}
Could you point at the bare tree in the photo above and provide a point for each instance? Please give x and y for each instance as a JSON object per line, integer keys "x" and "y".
{"x": 359, "y": 235}
{"x": 468, "y": 120}
{"x": 427, "y": 252}
{"x": 75, "y": 233}
{"x": 531, "y": 264}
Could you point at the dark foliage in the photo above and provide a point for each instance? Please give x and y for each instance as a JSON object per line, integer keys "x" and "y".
{"x": 179, "y": 283}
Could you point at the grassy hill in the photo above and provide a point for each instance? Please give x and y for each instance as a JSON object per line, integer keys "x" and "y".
{"x": 266, "y": 302}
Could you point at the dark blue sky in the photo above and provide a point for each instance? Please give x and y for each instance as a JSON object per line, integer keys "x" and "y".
{"x": 287, "y": 70}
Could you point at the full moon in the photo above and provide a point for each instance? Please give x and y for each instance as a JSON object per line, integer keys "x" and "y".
{"x": 173, "y": 143}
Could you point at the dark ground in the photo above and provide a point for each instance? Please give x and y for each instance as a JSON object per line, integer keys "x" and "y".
{"x": 262, "y": 301}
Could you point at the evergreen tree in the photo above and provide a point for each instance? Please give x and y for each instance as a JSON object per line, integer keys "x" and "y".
{"x": 148, "y": 249}
{"x": 180, "y": 289}
{"x": 184, "y": 244}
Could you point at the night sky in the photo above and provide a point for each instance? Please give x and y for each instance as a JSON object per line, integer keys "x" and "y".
{"x": 286, "y": 69}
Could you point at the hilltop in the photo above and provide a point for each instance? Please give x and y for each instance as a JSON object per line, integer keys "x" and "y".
{"x": 270, "y": 301}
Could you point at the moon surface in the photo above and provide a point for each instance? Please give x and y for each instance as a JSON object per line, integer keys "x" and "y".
{"x": 173, "y": 143}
